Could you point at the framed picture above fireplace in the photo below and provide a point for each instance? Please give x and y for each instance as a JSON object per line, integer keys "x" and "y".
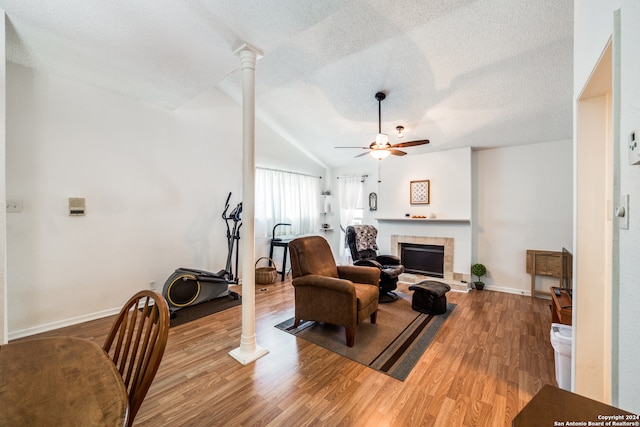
{"x": 419, "y": 192}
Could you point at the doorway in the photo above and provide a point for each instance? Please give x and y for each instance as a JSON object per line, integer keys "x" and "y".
{"x": 594, "y": 234}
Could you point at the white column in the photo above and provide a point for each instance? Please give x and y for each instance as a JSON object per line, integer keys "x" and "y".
{"x": 249, "y": 350}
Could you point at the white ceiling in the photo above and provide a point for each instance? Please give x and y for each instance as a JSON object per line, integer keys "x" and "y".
{"x": 483, "y": 73}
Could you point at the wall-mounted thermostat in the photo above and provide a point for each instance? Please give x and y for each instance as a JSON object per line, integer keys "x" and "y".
{"x": 76, "y": 206}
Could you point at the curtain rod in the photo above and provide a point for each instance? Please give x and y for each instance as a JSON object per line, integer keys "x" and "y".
{"x": 294, "y": 173}
{"x": 352, "y": 176}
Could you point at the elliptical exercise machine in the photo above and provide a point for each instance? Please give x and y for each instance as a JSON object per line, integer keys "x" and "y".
{"x": 189, "y": 286}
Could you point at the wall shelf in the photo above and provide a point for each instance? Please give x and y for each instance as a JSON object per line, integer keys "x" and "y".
{"x": 426, "y": 220}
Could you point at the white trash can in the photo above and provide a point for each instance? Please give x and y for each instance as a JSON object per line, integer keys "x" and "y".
{"x": 561, "y": 341}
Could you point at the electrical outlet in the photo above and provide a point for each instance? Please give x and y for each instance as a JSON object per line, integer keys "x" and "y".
{"x": 14, "y": 206}
{"x": 152, "y": 284}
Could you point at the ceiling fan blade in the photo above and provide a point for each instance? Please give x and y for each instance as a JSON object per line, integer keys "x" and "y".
{"x": 382, "y": 141}
{"x": 397, "y": 152}
{"x": 410, "y": 143}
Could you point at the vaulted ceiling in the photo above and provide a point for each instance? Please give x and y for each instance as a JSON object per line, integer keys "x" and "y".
{"x": 479, "y": 73}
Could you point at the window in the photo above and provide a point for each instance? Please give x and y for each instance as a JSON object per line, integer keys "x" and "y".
{"x": 287, "y": 197}
{"x": 358, "y": 213}
{"x": 351, "y": 209}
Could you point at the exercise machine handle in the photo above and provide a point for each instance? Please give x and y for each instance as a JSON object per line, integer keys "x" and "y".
{"x": 226, "y": 206}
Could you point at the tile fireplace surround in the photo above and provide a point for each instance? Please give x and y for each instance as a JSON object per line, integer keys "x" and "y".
{"x": 455, "y": 280}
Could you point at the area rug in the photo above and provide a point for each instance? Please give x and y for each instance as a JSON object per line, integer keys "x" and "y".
{"x": 197, "y": 311}
{"x": 392, "y": 346}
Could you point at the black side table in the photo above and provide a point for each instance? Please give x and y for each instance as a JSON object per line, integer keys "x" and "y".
{"x": 280, "y": 244}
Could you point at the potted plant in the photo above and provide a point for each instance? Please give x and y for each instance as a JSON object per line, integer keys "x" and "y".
{"x": 478, "y": 270}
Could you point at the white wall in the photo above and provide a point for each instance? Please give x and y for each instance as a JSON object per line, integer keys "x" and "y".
{"x": 594, "y": 23}
{"x": 592, "y": 27}
{"x": 629, "y": 292}
{"x": 523, "y": 200}
{"x": 449, "y": 173}
{"x": 3, "y": 218}
{"x": 155, "y": 183}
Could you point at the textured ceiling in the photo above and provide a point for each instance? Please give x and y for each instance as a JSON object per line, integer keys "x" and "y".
{"x": 484, "y": 73}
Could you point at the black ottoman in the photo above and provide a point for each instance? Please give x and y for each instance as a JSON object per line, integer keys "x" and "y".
{"x": 430, "y": 297}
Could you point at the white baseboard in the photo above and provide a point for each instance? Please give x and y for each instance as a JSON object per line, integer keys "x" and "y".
{"x": 62, "y": 323}
{"x": 507, "y": 290}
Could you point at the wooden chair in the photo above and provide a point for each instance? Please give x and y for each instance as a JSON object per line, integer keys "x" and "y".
{"x": 136, "y": 344}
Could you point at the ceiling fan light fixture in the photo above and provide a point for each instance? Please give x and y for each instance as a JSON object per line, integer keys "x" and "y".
{"x": 381, "y": 148}
{"x": 380, "y": 154}
{"x": 382, "y": 139}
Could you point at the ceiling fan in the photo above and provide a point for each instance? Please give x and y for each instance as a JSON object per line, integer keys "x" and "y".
{"x": 381, "y": 148}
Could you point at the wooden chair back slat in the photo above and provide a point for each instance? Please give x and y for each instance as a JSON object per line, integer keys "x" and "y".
{"x": 136, "y": 344}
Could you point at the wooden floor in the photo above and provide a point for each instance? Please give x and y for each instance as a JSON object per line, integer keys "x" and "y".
{"x": 486, "y": 362}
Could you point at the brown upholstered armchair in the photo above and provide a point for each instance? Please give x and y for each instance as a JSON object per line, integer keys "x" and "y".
{"x": 343, "y": 295}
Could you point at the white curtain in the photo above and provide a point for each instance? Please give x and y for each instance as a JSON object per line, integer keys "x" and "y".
{"x": 349, "y": 192}
{"x": 286, "y": 197}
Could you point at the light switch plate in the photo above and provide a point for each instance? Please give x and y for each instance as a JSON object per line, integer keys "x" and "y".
{"x": 14, "y": 206}
{"x": 622, "y": 212}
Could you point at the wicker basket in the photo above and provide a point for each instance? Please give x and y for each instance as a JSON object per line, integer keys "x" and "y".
{"x": 266, "y": 275}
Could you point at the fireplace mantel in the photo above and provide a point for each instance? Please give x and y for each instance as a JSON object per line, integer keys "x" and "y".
{"x": 427, "y": 220}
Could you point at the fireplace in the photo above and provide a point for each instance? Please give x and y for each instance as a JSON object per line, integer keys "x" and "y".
{"x": 446, "y": 243}
{"x": 422, "y": 259}
{"x": 457, "y": 280}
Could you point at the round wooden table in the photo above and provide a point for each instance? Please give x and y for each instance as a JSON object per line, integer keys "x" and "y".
{"x": 60, "y": 381}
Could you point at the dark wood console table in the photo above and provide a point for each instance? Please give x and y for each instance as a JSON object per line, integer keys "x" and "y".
{"x": 552, "y": 406}
{"x": 561, "y": 307}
